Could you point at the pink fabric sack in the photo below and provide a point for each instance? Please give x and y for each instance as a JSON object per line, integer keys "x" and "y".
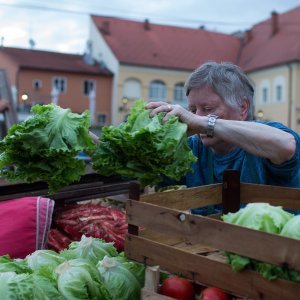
{"x": 24, "y": 225}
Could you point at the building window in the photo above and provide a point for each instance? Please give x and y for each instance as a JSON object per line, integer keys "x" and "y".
{"x": 132, "y": 89}
{"x": 101, "y": 119}
{"x": 179, "y": 95}
{"x": 279, "y": 87}
{"x": 88, "y": 86}
{"x": 37, "y": 84}
{"x": 157, "y": 90}
{"x": 60, "y": 84}
{"x": 265, "y": 95}
{"x": 265, "y": 92}
{"x": 278, "y": 93}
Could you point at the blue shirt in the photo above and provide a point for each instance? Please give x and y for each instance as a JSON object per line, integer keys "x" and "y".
{"x": 253, "y": 169}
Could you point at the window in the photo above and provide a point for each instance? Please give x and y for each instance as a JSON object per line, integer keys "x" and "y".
{"x": 279, "y": 84}
{"x": 265, "y": 92}
{"x": 36, "y": 84}
{"x": 101, "y": 119}
{"x": 88, "y": 86}
{"x": 179, "y": 94}
{"x": 278, "y": 93}
{"x": 132, "y": 89}
{"x": 157, "y": 90}
{"x": 264, "y": 95}
{"x": 60, "y": 84}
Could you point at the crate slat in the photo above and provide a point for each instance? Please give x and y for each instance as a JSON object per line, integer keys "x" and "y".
{"x": 208, "y": 271}
{"x": 196, "y": 229}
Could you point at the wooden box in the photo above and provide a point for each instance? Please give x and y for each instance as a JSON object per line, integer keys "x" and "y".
{"x": 192, "y": 245}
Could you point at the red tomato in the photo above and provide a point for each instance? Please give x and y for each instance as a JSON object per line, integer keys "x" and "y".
{"x": 213, "y": 293}
{"x": 178, "y": 288}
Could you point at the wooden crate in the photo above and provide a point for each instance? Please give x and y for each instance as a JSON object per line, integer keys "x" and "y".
{"x": 192, "y": 245}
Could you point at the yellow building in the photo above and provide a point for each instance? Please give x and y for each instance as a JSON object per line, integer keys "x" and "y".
{"x": 152, "y": 61}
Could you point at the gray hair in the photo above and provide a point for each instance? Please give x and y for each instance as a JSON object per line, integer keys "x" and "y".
{"x": 226, "y": 80}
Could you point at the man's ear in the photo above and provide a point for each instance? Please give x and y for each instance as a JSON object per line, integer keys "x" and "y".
{"x": 245, "y": 109}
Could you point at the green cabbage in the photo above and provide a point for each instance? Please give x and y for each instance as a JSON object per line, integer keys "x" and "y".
{"x": 27, "y": 287}
{"x": 91, "y": 249}
{"x": 292, "y": 228}
{"x": 123, "y": 279}
{"x": 263, "y": 217}
{"x": 144, "y": 148}
{"x": 260, "y": 216}
{"x": 79, "y": 279}
{"x": 48, "y": 275}
{"x": 44, "y": 259}
{"x": 44, "y": 147}
{"x": 18, "y": 266}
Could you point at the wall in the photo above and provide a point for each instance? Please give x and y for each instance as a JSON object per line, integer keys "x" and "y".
{"x": 145, "y": 76}
{"x": 288, "y": 111}
{"x": 73, "y": 97}
{"x": 102, "y": 53}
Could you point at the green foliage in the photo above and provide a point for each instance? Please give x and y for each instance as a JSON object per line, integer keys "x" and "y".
{"x": 271, "y": 219}
{"x": 144, "y": 148}
{"x": 44, "y": 147}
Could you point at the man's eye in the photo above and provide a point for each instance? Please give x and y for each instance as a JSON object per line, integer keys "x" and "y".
{"x": 207, "y": 109}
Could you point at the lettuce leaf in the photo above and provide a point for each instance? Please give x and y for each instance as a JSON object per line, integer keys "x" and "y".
{"x": 267, "y": 218}
{"x": 44, "y": 147}
{"x": 144, "y": 148}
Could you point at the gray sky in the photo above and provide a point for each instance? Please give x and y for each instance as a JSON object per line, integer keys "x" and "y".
{"x": 62, "y": 25}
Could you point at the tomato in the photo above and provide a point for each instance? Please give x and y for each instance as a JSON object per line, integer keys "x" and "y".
{"x": 213, "y": 293}
{"x": 178, "y": 288}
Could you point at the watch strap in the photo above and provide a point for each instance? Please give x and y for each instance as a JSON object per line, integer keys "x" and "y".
{"x": 211, "y": 122}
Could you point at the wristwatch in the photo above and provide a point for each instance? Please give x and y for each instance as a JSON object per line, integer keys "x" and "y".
{"x": 211, "y": 122}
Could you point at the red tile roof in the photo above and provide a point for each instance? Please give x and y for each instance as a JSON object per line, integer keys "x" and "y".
{"x": 165, "y": 46}
{"x": 265, "y": 49}
{"x": 36, "y": 59}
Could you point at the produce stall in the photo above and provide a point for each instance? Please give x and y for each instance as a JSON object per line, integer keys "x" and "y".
{"x": 193, "y": 245}
{"x": 63, "y": 270}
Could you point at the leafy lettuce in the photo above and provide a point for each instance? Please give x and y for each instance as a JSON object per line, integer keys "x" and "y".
{"x": 267, "y": 218}
{"x": 44, "y": 147}
{"x": 144, "y": 148}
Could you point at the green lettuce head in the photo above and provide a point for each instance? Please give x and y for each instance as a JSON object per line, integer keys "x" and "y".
{"x": 144, "y": 148}
{"x": 44, "y": 147}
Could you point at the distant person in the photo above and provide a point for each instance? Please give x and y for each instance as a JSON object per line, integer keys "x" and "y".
{"x": 224, "y": 134}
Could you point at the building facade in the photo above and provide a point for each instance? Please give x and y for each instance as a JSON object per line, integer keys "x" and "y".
{"x": 41, "y": 77}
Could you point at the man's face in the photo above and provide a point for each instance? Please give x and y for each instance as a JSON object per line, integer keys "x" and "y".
{"x": 203, "y": 102}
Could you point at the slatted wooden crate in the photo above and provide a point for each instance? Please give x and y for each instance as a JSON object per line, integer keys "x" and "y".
{"x": 193, "y": 245}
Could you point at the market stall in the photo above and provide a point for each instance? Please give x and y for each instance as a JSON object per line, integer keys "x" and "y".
{"x": 193, "y": 245}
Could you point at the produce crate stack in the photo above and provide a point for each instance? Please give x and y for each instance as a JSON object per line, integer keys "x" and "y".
{"x": 163, "y": 232}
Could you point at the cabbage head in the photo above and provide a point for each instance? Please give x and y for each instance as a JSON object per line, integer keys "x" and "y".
{"x": 123, "y": 279}
{"x": 260, "y": 216}
{"x": 90, "y": 248}
{"x": 263, "y": 217}
{"x": 79, "y": 279}
{"x": 292, "y": 228}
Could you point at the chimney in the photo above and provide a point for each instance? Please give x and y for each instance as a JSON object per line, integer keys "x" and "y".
{"x": 105, "y": 28}
{"x": 274, "y": 23}
{"x": 248, "y": 36}
{"x": 147, "y": 24}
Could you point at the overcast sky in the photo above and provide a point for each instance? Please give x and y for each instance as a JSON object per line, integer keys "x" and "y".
{"x": 62, "y": 25}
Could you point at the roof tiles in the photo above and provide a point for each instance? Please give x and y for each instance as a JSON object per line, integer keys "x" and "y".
{"x": 56, "y": 61}
{"x": 165, "y": 46}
